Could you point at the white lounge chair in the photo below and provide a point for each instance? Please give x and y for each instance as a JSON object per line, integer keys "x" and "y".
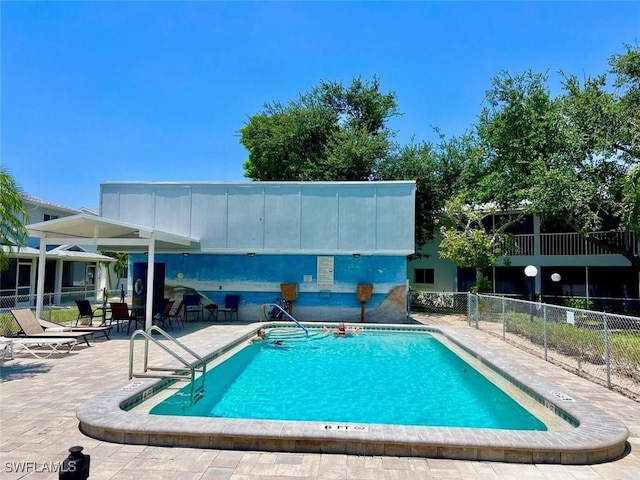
{"x": 56, "y": 327}
{"x": 33, "y": 330}
{"x": 30, "y": 345}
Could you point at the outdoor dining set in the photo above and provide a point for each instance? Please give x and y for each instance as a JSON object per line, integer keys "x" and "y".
{"x": 41, "y": 338}
{"x": 166, "y": 315}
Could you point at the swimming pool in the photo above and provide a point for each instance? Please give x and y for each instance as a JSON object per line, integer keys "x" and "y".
{"x": 587, "y": 434}
{"x": 382, "y": 377}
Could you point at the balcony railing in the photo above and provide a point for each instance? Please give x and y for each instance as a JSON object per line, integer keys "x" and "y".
{"x": 518, "y": 245}
{"x": 567, "y": 244}
{"x": 576, "y": 244}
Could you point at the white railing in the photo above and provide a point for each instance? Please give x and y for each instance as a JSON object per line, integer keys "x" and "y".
{"x": 567, "y": 244}
{"x": 518, "y": 245}
{"x": 576, "y": 244}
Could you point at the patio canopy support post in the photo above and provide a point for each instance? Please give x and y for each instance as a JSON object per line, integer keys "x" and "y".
{"x": 42, "y": 261}
{"x": 148, "y": 312}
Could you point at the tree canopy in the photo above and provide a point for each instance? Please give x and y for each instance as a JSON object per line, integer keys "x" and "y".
{"x": 573, "y": 158}
{"x": 332, "y": 133}
{"x": 341, "y": 133}
{"x": 12, "y": 215}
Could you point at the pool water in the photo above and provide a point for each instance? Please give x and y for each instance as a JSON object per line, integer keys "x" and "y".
{"x": 400, "y": 378}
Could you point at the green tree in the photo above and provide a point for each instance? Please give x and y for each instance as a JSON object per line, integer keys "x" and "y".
{"x": 119, "y": 266}
{"x": 569, "y": 159}
{"x": 439, "y": 174}
{"x": 471, "y": 241}
{"x": 12, "y": 215}
{"x": 631, "y": 193}
{"x": 340, "y": 133}
{"x": 332, "y": 133}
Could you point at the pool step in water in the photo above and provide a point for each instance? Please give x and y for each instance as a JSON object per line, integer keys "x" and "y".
{"x": 286, "y": 334}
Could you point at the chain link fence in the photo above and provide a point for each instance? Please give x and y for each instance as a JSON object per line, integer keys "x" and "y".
{"x": 443, "y": 303}
{"x": 603, "y": 347}
{"x": 57, "y": 307}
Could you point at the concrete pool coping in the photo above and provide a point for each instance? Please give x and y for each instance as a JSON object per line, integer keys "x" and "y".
{"x": 598, "y": 437}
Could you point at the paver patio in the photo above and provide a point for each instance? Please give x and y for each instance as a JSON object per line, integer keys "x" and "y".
{"x": 38, "y": 399}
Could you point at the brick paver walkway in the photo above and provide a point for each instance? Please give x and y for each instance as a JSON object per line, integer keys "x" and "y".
{"x": 38, "y": 399}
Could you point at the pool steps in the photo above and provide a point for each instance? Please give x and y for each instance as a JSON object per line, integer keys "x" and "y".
{"x": 187, "y": 373}
{"x": 282, "y": 313}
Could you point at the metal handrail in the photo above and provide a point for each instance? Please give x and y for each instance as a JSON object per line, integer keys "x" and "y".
{"x": 264, "y": 311}
{"x": 148, "y": 336}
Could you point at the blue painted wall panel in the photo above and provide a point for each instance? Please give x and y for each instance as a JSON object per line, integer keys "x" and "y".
{"x": 257, "y": 279}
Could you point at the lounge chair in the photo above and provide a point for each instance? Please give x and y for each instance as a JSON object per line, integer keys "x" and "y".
{"x": 231, "y": 304}
{"x": 32, "y": 329}
{"x": 56, "y": 327}
{"x": 85, "y": 311}
{"x": 29, "y": 345}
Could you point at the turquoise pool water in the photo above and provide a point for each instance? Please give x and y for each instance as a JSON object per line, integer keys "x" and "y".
{"x": 376, "y": 377}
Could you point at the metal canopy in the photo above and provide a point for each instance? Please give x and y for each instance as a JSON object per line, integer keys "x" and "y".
{"x": 106, "y": 234}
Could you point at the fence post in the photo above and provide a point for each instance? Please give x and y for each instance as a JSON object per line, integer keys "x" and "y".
{"x": 49, "y": 303}
{"x": 607, "y": 360}
{"x": 504, "y": 323}
{"x": 477, "y": 311}
{"x": 544, "y": 328}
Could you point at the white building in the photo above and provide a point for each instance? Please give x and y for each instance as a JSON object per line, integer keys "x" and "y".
{"x": 582, "y": 269}
{"x": 71, "y": 272}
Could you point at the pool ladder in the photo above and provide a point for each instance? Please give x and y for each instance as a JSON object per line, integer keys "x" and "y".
{"x": 285, "y": 313}
{"x": 188, "y": 372}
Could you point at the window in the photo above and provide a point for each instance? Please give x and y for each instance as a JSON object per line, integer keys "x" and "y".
{"x": 73, "y": 274}
{"x": 424, "y": 275}
{"x": 48, "y": 217}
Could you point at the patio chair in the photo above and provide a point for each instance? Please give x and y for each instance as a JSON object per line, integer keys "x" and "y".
{"x": 192, "y": 304}
{"x": 120, "y": 313}
{"x": 177, "y": 315}
{"x": 163, "y": 318}
{"x": 231, "y": 304}
{"x": 29, "y": 345}
{"x": 85, "y": 311}
{"x": 56, "y": 327}
{"x": 32, "y": 329}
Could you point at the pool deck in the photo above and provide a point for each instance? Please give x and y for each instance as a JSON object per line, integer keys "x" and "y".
{"x": 39, "y": 398}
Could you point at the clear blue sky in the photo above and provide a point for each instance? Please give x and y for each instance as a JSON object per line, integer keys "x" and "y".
{"x": 157, "y": 91}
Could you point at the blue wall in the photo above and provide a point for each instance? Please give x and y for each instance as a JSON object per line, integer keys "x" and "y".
{"x": 257, "y": 279}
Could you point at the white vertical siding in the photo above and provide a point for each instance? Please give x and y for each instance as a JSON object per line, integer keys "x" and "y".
{"x": 289, "y": 217}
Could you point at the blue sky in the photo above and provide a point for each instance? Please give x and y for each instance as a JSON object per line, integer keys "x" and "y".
{"x": 157, "y": 91}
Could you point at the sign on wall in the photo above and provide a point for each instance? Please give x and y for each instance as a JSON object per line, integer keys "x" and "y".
{"x": 325, "y": 273}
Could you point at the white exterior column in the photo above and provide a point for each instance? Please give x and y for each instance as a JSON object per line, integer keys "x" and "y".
{"x": 41, "y": 264}
{"x": 58, "y": 281}
{"x": 148, "y": 319}
{"x": 586, "y": 281}
{"x": 32, "y": 278}
{"x": 537, "y": 292}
